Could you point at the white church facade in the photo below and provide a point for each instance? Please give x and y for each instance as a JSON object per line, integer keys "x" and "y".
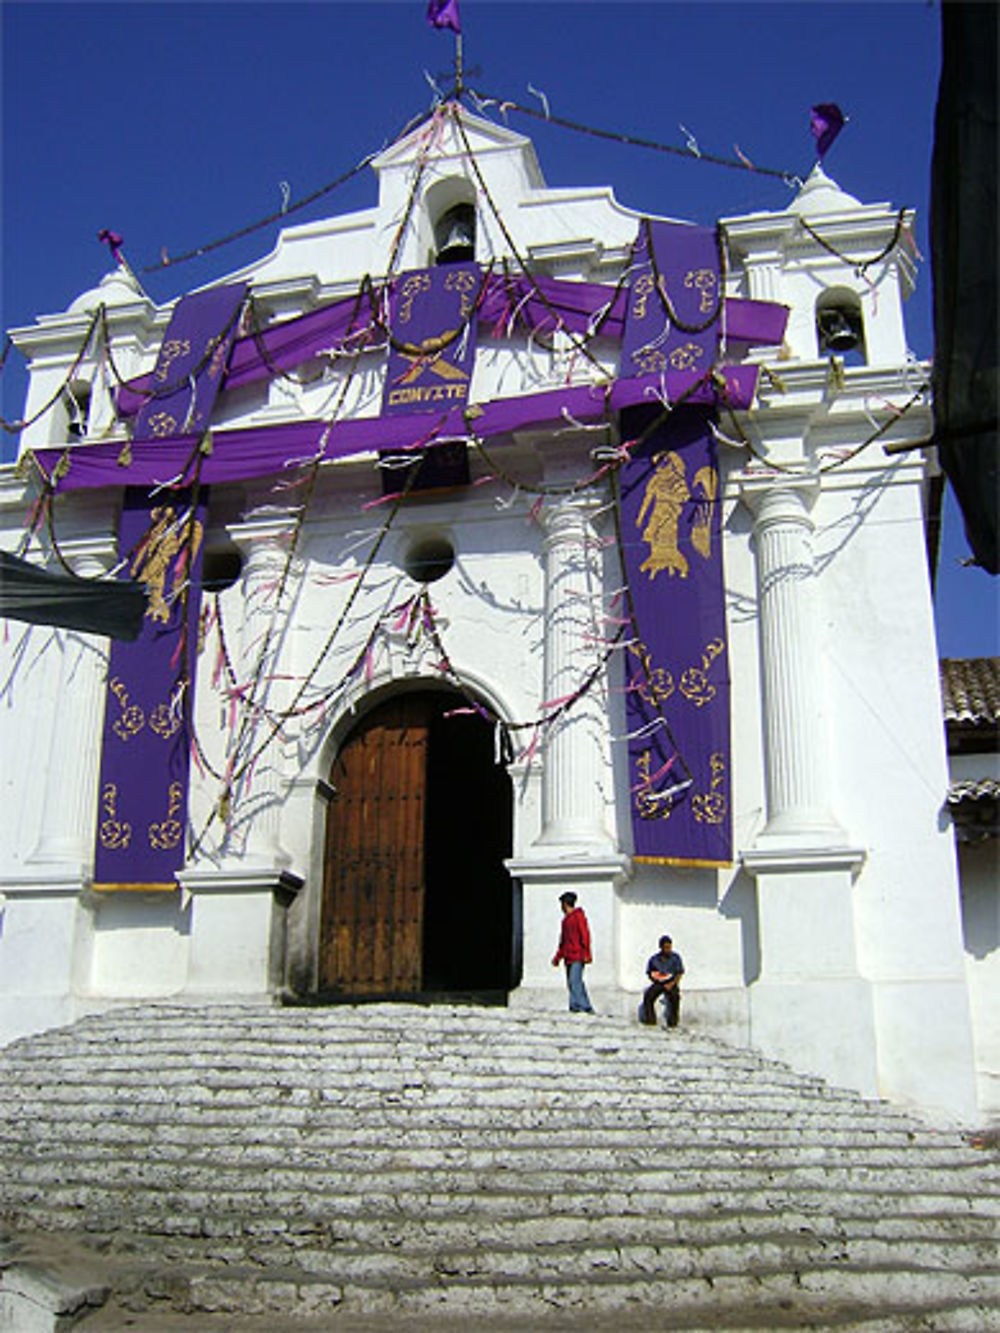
{"x": 401, "y": 699}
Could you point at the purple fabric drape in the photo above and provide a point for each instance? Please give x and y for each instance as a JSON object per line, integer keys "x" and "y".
{"x": 509, "y": 303}
{"x": 181, "y": 392}
{"x": 263, "y": 450}
{"x": 677, "y": 695}
{"x": 675, "y": 300}
{"x": 677, "y": 675}
{"x": 433, "y": 347}
{"x": 143, "y": 789}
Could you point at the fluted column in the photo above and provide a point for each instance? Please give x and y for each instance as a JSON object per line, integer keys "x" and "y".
{"x": 572, "y": 790}
{"x": 263, "y": 542}
{"x": 66, "y": 838}
{"x": 795, "y": 737}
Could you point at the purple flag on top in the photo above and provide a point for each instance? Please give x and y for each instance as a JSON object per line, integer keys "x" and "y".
{"x": 826, "y": 120}
{"x": 677, "y": 668}
{"x": 143, "y": 790}
{"x": 444, "y": 14}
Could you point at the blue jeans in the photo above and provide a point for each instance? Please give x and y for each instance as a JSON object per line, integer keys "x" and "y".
{"x": 579, "y": 1000}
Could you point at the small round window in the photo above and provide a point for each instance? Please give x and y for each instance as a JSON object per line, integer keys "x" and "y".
{"x": 429, "y": 559}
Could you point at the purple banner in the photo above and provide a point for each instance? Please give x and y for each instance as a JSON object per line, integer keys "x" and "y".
{"x": 509, "y": 304}
{"x": 677, "y": 674}
{"x": 260, "y": 451}
{"x": 143, "y": 790}
{"x": 182, "y": 389}
{"x": 432, "y": 348}
{"x": 675, "y": 299}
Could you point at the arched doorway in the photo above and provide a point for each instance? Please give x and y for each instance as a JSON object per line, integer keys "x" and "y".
{"x": 416, "y": 899}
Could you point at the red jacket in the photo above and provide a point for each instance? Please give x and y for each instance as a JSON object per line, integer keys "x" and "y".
{"x": 574, "y": 938}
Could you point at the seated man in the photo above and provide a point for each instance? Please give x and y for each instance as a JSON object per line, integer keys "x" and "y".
{"x": 664, "y": 970}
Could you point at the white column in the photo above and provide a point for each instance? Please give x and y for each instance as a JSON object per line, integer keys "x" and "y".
{"x": 263, "y": 542}
{"x": 574, "y": 850}
{"x": 66, "y": 838}
{"x": 810, "y": 1005}
{"x": 573, "y": 754}
{"x": 796, "y": 756}
{"x": 239, "y": 908}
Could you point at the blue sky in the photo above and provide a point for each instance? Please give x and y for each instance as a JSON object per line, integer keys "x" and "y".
{"x": 176, "y": 123}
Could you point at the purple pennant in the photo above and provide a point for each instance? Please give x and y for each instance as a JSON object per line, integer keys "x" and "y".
{"x": 826, "y": 120}
{"x": 444, "y": 14}
{"x": 113, "y": 241}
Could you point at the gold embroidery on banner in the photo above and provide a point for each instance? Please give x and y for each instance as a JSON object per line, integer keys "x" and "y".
{"x": 655, "y": 683}
{"x": 133, "y": 719}
{"x": 162, "y": 424}
{"x": 642, "y": 290}
{"x": 666, "y": 493}
{"x": 114, "y": 834}
{"x": 686, "y": 357}
{"x": 164, "y": 721}
{"x": 695, "y": 684}
{"x": 710, "y": 807}
{"x": 464, "y": 283}
{"x": 157, "y": 550}
{"x": 651, "y": 361}
{"x": 169, "y": 353}
{"x": 167, "y": 834}
{"x": 703, "y": 281}
{"x": 647, "y": 802}
{"x": 410, "y": 290}
{"x": 701, "y": 530}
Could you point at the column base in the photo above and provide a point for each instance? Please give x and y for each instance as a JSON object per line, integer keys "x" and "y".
{"x": 594, "y": 876}
{"x": 811, "y": 1007}
{"x": 238, "y": 921}
{"x": 823, "y": 1026}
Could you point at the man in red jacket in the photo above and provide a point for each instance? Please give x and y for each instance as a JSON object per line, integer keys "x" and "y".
{"x": 574, "y": 951}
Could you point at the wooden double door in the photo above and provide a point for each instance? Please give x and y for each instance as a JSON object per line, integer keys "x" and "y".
{"x": 416, "y": 897}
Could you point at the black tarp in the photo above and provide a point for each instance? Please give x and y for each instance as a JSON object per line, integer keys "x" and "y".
{"x": 964, "y": 255}
{"x": 97, "y": 606}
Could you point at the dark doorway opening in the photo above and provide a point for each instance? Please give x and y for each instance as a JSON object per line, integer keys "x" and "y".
{"x": 468, "y": 914}
{"x": 417, "y": 902}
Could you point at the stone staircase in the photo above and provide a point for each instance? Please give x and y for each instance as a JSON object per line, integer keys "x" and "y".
{"x": 428, "y": 1167}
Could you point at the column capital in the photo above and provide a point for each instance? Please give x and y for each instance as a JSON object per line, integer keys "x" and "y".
{"x": 779, "y": 497}
{"x": 262, "y": 527}
{"x": 568, "y": 519}
{"x": 89, "y": 555}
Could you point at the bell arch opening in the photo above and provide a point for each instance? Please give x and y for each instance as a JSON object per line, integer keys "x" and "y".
{"x": 417, "y": 901}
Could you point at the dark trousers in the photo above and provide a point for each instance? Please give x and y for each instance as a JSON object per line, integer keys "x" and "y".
{"x": 650, "y": 997}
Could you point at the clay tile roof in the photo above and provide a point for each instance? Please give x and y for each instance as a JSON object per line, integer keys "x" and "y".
{"x": 973, "y": 789}
{"x": 970, "y": 689}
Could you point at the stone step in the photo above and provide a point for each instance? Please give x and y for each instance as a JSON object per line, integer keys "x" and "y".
{"x": 683, "y": 1225}
{"x": 369, "y": 1074}
{"x": 311, "y": 1153}
{"x": 533, "y": 1176}
{"x": 316, "y": 1134}
{"x": 234, "y": 1212}
{"x": 172, "y": 1208}
{"x": 404, "y": 1115}
{"x": 571, "y": 1263}
{"x": 430, "y": 1163}
{"x": 609, "y": 1292}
